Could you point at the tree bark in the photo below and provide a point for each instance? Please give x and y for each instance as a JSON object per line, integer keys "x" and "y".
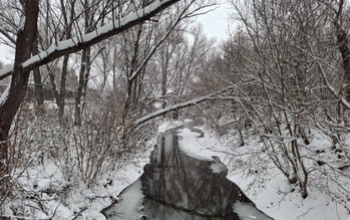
{"x": 342, "y": 40}
{"x": 86, "y": 79}
{"x": 83, "y": 69}
{"x": 39, "y": 94}
{"x": 62, "y": 95}
{"x": 12, "y": 100}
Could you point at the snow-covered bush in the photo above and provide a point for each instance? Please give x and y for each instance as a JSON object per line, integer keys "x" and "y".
{"x": 52, "y": 164}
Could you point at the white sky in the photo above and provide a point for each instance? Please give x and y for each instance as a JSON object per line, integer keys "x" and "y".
{"x": 6, "y": 54}
{"x": 215, "y": 23}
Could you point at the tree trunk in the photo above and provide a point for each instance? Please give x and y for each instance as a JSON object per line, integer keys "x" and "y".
{"x": 62, "y": 96}
{"x": 84, "y": 69}
{"x": 165, "y": 64}
{"x": 12, "y": 99}
{"x": 39, "y": 94}
{"x": 86, "y": 78}
{"x": 67, "y": 18}
{"x": 55, "y": 92}
{"x": 130, "y": 85}
{"x": 84, "y": 60}
{"x": 342, "y": 40}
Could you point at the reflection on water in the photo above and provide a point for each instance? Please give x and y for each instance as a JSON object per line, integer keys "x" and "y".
{"x": 175, "y": 186}
{"x": 158, "y": 211}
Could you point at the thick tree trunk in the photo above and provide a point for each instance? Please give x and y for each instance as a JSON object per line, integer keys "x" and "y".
{"x": 12, "y": 99}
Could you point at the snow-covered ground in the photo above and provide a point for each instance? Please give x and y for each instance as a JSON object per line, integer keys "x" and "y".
{"x": 260, "y": 180}
{"x": 248, "y": 166}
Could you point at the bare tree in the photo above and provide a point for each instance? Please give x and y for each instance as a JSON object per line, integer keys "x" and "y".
{"x": 289, "y": 66}
{"x": 15, "y": 93}
{"x": 281, "y": 36}
{"x": 25, "y": 37}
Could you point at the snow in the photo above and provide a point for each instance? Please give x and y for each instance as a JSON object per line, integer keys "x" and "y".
{"x": 4, "y": 96}
{"x": 169, "y": 124}
{"x": 217, "y": 166}
{"x": 249, "y": 167}
{"x": 132, "y": 202}
{"x": 99, "y": 32}
{"x": 190, "y": 144}
{"x": 108, "y": 28}
{"x": 247, "y": 211}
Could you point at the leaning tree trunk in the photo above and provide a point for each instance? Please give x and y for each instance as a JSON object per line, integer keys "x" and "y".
{"x": 12, "y": 99}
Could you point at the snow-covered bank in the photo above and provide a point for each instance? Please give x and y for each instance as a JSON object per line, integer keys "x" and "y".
{"x": 261, "y": 180}
{"x": 248, "y": 166}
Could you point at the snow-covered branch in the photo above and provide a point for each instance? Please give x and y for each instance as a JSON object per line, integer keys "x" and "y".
{"x": 180, "y": 106}
{"x": 332, "y": 89}
{"x": 80, "y": 42}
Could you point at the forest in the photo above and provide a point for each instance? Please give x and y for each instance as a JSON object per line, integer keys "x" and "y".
{"x": 91, "y": 81}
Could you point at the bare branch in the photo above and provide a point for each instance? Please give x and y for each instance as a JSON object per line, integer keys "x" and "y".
{"x": 78, "y": 43}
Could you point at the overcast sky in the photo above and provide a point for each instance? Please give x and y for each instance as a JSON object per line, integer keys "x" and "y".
{"x": 6, "y": 54}
{"x": 215, "y": 22}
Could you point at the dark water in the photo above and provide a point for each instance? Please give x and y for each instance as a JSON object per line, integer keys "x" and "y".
{"x": 175, "y": 186}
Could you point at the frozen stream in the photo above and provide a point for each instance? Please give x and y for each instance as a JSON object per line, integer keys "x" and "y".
{"x": 177, "y": 185}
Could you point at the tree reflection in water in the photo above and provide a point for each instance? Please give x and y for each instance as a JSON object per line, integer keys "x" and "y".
{"x": 176, "y": 186}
